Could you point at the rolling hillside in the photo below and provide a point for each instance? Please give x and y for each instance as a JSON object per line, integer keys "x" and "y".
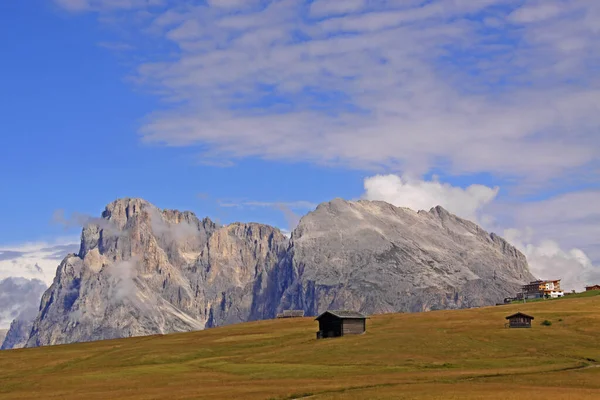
{"x": 441, "y": 354}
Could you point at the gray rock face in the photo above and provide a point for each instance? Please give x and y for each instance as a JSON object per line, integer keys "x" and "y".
{"x": 17, "y": 335}
{"x": 141, "y": 270}
{"x": 373, "y": 257}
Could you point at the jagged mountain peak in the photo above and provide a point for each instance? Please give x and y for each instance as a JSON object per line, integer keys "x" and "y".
{"x": 121, "y": 210}
{"x": 142, "y": 270}
{"x": 440, "y": 211}
{"x": 340, "y": 205}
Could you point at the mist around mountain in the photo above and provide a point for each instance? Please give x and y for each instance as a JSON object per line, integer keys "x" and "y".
{"x": 19, "y": 305}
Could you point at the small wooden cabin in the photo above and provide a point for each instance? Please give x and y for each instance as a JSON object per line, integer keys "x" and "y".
{"x": 519, "y": 320}
{"x": 593, "y": 287}
{"x": 337, "y": 323}
{"x": 291, "y": 314}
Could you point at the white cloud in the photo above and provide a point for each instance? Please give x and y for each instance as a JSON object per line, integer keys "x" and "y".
{"x": 19, "y": 298}
{"x": 547, "y": 260}
{"x": 423, "y": 195}
{"x": 35, "y": 260}
{"x": 171, "y": 231}
{"x": 105, "y": 5}
{"x": 80, "y": 220}
{"x": 300, "y": 204}
{"x": 535, "y": 13}
{"x": 399, "y": 86}
{"x": 416, "y": 107}
{"x": 116, "y": 46}
{"x": 231, "y": 4}
{"x": 571, "y": 219}
{"x": 321, "y": 8}
{"x": 122, "y": 279}
{"x": 287, "y": 208}
{"x": 74, "y": 5}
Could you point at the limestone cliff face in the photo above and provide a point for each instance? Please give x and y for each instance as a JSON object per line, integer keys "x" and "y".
{"x": 141, "y": 270}
{"x": 239, "y": 257}
{"x": 373, "y": 257}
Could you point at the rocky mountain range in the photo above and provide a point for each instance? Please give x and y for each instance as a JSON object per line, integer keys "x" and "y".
{"x": 141, "y": 270}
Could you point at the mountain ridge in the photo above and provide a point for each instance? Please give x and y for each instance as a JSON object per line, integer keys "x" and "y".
{"x": 141, "y": 270}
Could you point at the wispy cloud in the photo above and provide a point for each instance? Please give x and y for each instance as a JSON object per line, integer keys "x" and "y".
{"x": 292, "y": 210}
{"x": 328, "y": 8}
{"x": 80, "y": 220}
{"x": 116, "y": 46}
{"x": 495, "y": 85}
{"x": 106, "y": 5}
{"x": 35, "y": 260}
{"x": 19, "y": 298}
{"x": 301, "y": 204}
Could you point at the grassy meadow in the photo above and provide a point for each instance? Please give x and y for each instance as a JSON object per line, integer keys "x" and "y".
{"x": 464, "y": 354}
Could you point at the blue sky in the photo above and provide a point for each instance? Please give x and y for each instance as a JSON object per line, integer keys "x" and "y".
{"x": 229, "y": 107}
{"x": 71, "y": 140}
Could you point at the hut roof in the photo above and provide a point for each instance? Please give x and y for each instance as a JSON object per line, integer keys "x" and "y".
{"x": 343, "y": 314}
{"x": 519, "y": 314}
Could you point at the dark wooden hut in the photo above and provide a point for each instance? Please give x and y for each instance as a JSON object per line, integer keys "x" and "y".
{"x": 337, "y": 323}
{"x": 519, "y": 320}
{"x": 291, "y": 314}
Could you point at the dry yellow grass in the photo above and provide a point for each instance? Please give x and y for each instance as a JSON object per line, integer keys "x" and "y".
{"x": 466, "y": 354}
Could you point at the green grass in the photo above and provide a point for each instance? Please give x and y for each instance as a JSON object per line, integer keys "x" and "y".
{"x": 441, "y": 354}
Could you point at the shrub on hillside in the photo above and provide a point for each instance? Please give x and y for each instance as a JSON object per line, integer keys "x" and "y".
{"x": 547, "y": 323}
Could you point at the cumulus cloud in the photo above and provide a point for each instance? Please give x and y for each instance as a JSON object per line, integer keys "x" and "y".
{"x": 19, "y": 298}
{"x": 423, "y": 195}
{"x": 571, "y": 219}
{"x": 35, "y": 260}
{"x": 547, "y": 260}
